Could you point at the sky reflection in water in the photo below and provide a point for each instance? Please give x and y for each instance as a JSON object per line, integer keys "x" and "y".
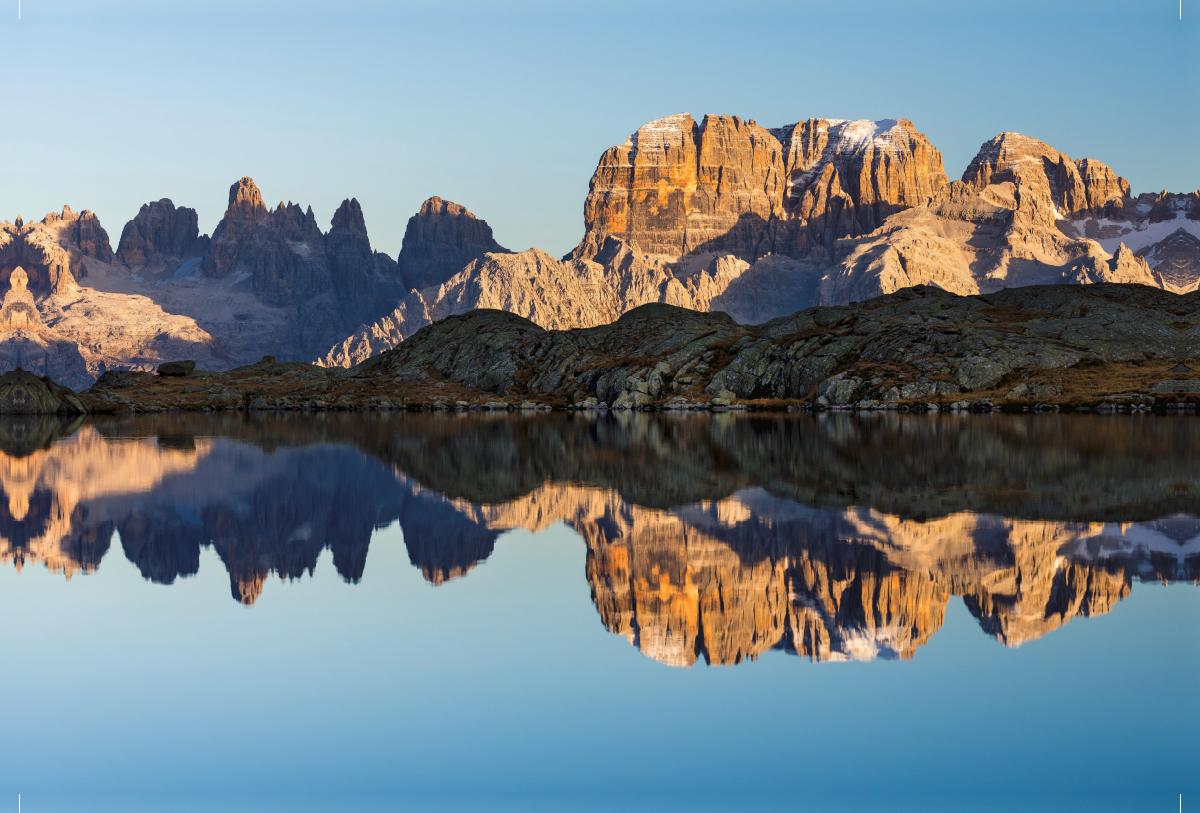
{"x": 434, "y": 643}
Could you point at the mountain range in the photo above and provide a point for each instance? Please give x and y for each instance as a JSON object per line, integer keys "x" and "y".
{"x": 716, "y": 215}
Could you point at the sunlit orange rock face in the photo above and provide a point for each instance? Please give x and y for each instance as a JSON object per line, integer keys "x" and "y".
{"x": 1068, "y": 187}
{"x": 841, "y": 591}
{"x": 680, "y": 595}
{"x": 683, "y": 594}
{"x": 726, "y": 185}
{"x": 52, "y": 250}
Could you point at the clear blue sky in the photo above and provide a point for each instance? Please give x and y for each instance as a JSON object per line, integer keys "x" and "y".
{"x": 505, "y": 107}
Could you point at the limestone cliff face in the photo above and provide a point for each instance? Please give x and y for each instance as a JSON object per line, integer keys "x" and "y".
{"x": 270, "y": 282}
{"x": 846, "y": 177}
{"x": 675, "y": 187}
{"x": 1015, "y": 219}
{"x": 440, "y": 240}
{"x": 363, "y": 280}
{"x": 280, "y": 250}
{"x": 728, "y": 186}
{"x": 1070, "y": 187}
{"x": 329, "y": 283}
{"x": 160, "y": 230}
{"x": 52, "y": 251}
{"x": 27, "y": 343}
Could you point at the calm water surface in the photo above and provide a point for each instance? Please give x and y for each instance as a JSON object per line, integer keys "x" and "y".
{"x": 441, "y": 612}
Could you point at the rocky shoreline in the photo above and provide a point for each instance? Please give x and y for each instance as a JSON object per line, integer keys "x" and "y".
{"x": 1105, "y": 347}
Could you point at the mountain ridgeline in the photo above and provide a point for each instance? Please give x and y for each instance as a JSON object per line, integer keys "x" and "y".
{"x": 720, "y": 214}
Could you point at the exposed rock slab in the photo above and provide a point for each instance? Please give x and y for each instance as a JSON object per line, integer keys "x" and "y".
{"x": 945, "y": 345}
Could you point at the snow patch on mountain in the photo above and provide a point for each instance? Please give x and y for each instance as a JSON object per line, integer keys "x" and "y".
{"x": 1147, "y": 234}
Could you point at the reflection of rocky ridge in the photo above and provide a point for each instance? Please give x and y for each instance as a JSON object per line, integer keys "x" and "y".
{"x": 731, "y": 579}
{"x": 700, "y": 539}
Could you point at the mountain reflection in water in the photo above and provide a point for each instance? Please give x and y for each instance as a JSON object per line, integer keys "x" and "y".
{"x": 715, "y": 537}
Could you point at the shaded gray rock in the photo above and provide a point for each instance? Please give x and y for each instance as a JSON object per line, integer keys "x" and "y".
{"x": 160, "y": 230}
{"x": 176, "y": 368}
{"x": 366, "y": 283}
{"x": 440, "y": 240}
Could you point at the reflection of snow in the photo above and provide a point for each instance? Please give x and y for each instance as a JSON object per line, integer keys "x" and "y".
{"x": 753, "y": 511}
{"x": 863, "y": 644}
{"x": 1177, "y": 536}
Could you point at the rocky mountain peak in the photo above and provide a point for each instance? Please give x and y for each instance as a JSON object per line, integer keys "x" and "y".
{"x": 245, "y": 195}
{"x": 437, "y": 206}
{"x": 440, "y": 240}
{"x": 1069, "y": 188}
{"x": 348, "y": 218}
{"x": 160, "y": 230}
{"x": 52, "y": 251}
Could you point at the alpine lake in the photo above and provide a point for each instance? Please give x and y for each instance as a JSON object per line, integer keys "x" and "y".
{"x": 593, "y": 611}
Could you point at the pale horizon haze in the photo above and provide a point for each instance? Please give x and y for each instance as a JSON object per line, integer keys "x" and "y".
{"x": 506, "y": 107}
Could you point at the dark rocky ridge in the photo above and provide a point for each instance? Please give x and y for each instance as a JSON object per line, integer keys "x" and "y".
{"x": 1060, "y": 346}
{"x": 919, "y": 343}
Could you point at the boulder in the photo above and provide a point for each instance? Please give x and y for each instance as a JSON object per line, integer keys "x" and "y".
{"x": 176, "y": 368}
{"x": 23, "y": 393}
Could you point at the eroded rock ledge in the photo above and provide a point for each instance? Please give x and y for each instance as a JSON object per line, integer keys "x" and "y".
{"x": 1104, "y": 346}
